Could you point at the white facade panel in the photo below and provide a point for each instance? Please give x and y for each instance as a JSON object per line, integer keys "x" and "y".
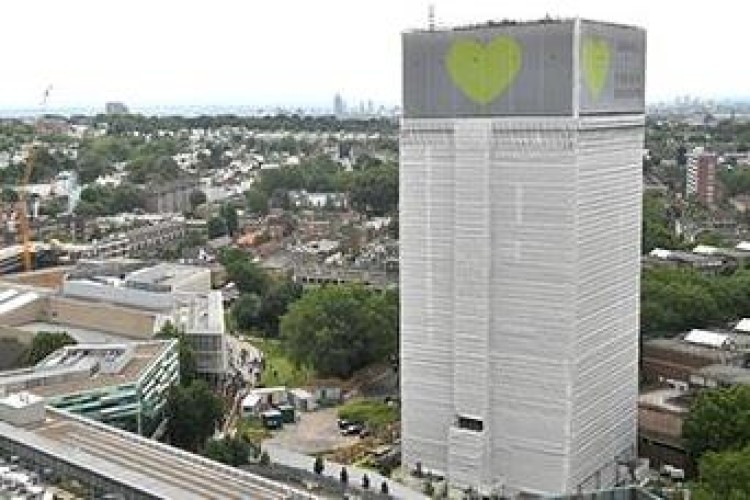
{"x": 519, "y": 283}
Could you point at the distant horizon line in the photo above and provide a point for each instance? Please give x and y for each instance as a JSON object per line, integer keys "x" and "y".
{"x": 9, "y": 111}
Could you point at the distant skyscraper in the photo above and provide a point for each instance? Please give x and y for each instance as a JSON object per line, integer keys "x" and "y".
{"x": 339, "y": 106}
{"x": 701, "y": 179}
{"x": 520, "y": 244}
{"x": 116, "y": 108}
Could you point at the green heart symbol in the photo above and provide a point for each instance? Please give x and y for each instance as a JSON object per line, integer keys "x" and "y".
{"x": 484, "y": 72}
{"x": 596, "y": 59}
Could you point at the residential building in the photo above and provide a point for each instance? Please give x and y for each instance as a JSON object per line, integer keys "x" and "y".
{"x": 124, "y": 385}
{"x": 171, "y": 197}
{"x": 521, "y": 180}
{"x": 700, "y": 179}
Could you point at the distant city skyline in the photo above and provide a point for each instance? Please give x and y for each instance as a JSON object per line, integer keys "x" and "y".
{"x": 300, "y": 54}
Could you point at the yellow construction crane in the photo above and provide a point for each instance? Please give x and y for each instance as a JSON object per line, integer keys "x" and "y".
{"x": 23, "y": 218}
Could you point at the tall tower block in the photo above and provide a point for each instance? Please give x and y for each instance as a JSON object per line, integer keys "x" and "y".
{"x": 521, "y": 148}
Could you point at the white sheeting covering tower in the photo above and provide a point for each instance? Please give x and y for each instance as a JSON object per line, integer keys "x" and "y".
{"x": 520, "y": 246}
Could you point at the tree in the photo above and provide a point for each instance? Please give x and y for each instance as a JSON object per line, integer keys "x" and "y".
{"x": 318, "y": 465}
{"x": 724, "y": 476}
{"x": 719, "y": 420}
{"x": 234, "y": 451}
{"x": 188, "y": 363}
{"x": 339, "y": 329}
{"x": 9, "y": 195}
{"x": 90, "y": 166}
{"x": 245, "y": 311}
{"x": 656, "y": 231}
{"x": 197, "y": 198}
{"x": 217, "y": 227}
{"x": 375, "y": 190}
{"x": 248, "y": 276}
{"x": 45, "y": 343}
{"x": 229, "y": 214}
{"x": 275, "y": 302}
{"x": 102, "y": 200}
{"x": 257, "y": 202}
{"x": 344, "y": 476}
{"x": 193, "y": 413}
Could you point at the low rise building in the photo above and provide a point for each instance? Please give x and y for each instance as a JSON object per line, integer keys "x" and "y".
{"x": 171, "y": 197}
{"x": 681, "y": 359}
{"x": 174, "y": 293}
{"x": 124, "y": 385}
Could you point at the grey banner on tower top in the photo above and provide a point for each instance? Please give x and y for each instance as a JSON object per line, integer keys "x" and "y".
{"x": 524, "y": 69}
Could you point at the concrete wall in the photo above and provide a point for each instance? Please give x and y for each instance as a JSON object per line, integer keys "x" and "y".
{"x": 129, "y": 323}
{"x": 122, "y": 295}
{"x": 16, "y": 334}
{"x": 45, "y": 278}
{"x": 28, "y": 313}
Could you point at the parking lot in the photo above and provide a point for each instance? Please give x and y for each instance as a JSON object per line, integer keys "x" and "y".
{"x": 315, "y": 432}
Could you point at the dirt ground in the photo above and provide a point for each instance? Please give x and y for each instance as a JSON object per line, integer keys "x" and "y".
{"x": 316, "y": 431}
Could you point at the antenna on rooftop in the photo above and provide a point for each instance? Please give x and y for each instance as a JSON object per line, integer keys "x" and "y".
{"x": 431, "y": 17}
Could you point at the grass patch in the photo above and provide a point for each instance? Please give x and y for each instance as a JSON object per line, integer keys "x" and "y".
{"x": 373, "y": 413}
{"x": 280, "y": 370}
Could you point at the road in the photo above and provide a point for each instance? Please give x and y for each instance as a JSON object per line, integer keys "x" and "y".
{"x": 300, "y": 461}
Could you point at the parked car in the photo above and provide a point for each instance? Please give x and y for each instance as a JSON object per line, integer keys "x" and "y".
{"x": 352, "y": 430}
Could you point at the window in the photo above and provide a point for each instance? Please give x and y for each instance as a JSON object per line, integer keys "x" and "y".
{"x": 470, "y": 424}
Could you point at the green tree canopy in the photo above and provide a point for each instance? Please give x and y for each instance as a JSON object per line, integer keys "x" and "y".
{"x": 229, "y": 214}
{"x": 257, "y": 202}
{"x": 45, "y": 343}
{"x": 719, "y": 420}
{"x": 340, "y": 329}
{"x": 104, "y": 200}
{"x": 275, "y": 302}
{"x": 193, "y": 413}
{"x": 217, "y": 227}
{"x": 234, "y": 451}
{"x": 245, "y": 311}
{"x": 675, "y": 300}
{"x": 724, "y": 476}
{"x": 375, "y": 190}
{"x": 657, "y": 231}
{"x": 247, "y": 275}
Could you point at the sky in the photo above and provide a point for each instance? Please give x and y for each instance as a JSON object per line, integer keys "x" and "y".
{"x": 302, "y": 52}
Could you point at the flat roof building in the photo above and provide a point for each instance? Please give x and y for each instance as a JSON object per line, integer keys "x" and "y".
{"x": 175, "y": 293}
{"x": 124, "y": 385}
{"x": 112, "y": 461}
